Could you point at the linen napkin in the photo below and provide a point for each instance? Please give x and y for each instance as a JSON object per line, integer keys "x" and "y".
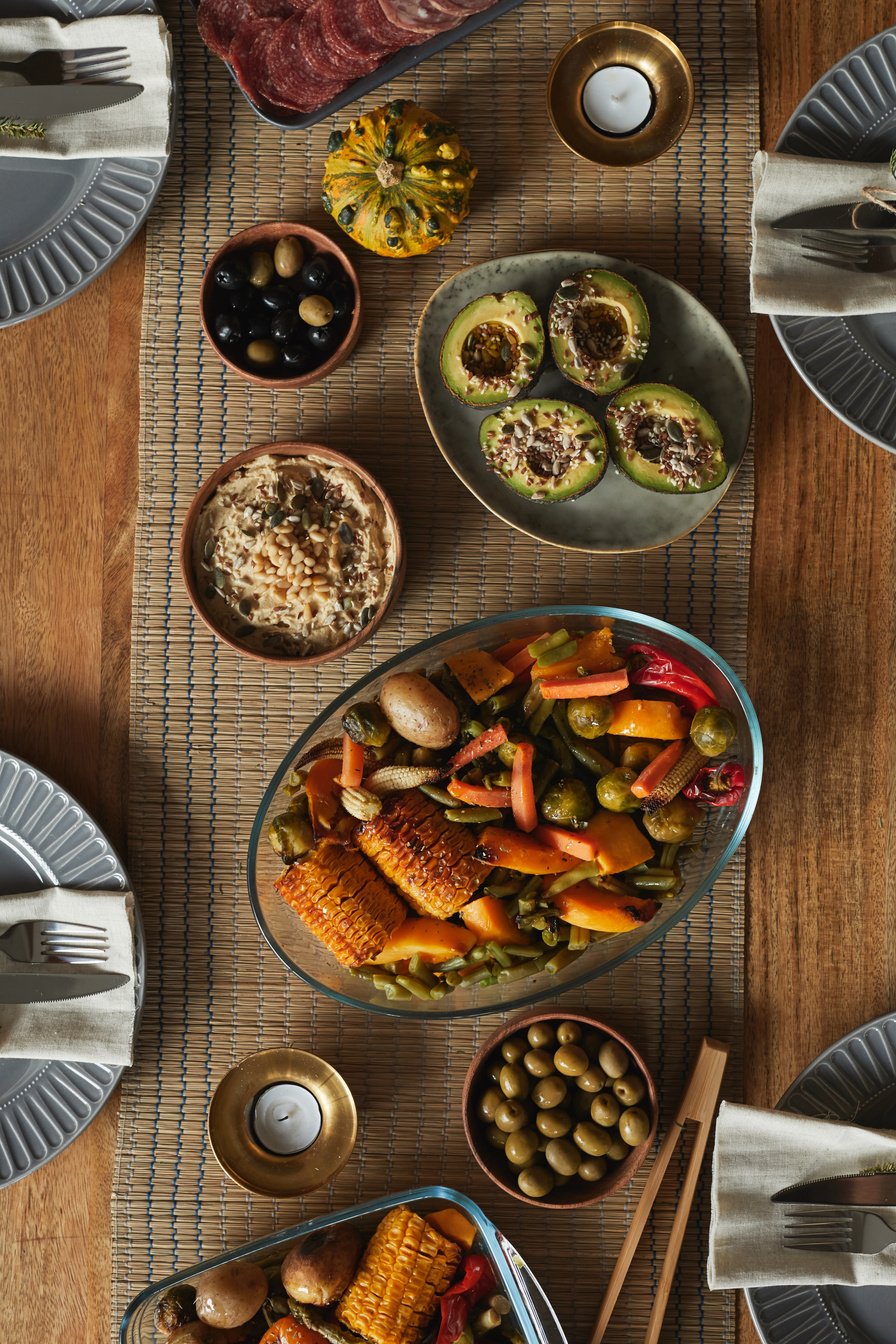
{"x": 758, "y": 1152}
{"x": 139, "y": 128}
{"x": 782, "y": 280}
{"x": 98, "y": 1029}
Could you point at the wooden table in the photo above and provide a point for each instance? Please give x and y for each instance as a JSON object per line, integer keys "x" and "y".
{"x": 821, "y": 952}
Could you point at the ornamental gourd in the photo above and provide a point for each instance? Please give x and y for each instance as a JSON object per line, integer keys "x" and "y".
{"x": 398, "y": 180}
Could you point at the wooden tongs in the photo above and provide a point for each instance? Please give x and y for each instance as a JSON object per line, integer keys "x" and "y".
{"x": 697, "y": 1105}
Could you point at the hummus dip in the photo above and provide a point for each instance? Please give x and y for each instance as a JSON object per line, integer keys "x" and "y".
{"x": 293, "y": 555}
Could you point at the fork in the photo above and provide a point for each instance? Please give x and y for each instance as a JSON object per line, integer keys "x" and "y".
{"x": 38, "y": 940}
{"x": 849, "y": 254}
{"x": 86, "y": 65}
{"x": 852, "y": 1230}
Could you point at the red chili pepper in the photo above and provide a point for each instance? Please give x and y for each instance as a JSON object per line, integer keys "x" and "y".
{"x": 661, "y": 672}
{"x": 717, "y": 785}
{"x": 477, "y": 1280}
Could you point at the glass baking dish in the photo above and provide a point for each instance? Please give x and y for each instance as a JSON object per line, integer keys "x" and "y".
{"x": 531, "y": 1312}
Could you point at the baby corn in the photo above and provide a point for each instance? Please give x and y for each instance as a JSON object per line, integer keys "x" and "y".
{"x": 343, "y": 900}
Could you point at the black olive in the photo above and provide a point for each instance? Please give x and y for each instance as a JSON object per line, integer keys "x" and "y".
{"x": 228, "y": 328}
{"x": 276, "y": 297}
{"x": 231, "y": 273}
{"x": 324, "y": 338}
{"x": 296, "y": 357}
{"x": 284, "y": 323}
{"x": 342, "y": 298}
{"x": 257, "y": 324}
{"x": 241, "y": 299}
{"x": 316, "y": 274}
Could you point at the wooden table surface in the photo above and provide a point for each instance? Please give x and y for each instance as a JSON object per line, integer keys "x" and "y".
{"x": 821, "y": 948}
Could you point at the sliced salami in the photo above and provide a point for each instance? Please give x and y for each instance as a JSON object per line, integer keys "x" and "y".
{"x": 288, "y": 75}
{"x": 354, "y": 59}
{"x": 463, "y": 8}
{"x": 218, "y": 22}
{"x": 356, "y": 24}
{"x": 414, "y": 18}
{"x": 272, "y": 9}
{"x": 318, "y": 52}
{"x": 247, "y": 52}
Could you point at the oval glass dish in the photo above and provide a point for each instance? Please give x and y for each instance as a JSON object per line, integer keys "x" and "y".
{"x": 713, "y": 845}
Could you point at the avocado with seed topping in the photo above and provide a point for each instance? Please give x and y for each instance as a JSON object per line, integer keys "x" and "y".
{"x": 545, "y": 450}
{"x": 665, "y": 440}
{"x": 600, "y": 330}
{"x": 493, "y": 349}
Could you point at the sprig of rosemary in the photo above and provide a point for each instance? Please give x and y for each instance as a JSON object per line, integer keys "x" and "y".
{"x": 22, "y": 130}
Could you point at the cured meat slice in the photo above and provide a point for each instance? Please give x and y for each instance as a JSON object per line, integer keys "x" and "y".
{"x": 272, "y": 9}
{"x": 218, "y": 22}
{"x": 343, "y": 41}
{"x": 247, "y": 52}
{"x": 360, "y": 25}
{"x": 418, "y": 18}
{"x": 463, "y": 9}
{"x": 289, "y": 77}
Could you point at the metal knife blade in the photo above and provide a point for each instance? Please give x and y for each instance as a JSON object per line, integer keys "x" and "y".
{"x": 42, "y": 102}
{"x": 44, "y": 984}
{"x": 874, "y": 1190}
{"x": 872, "y": 220}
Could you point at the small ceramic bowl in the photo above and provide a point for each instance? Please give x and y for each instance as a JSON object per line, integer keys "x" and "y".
{"x": 641, "y": 48}
{"x": 267, "y": 236}
{"x": 194, "y": 585}
{"x": 577, "y": 1194}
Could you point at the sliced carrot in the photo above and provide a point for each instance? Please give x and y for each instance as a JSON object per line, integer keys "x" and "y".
{"x": 522, "y": 788}
{"x": 477, "y": 795}
{"x": 594, "y": 653}
{"x": 589, "y": 907}
{"x": 478, "y": 746}
{"x": 580, "y": 845}
{"x": 656, "y": 770}
{"x": 520, "y": 662}
{"x": 489, "y": 920}
{"x": 577, "y": 688}
{"x": 480, "y": 674}
{"x": 660, "y": 719}
{"x": 512, "y": 849}
{"x": 618, "y": 842}
{"x": 432, "y": 940}
{"x": 322, "y": 788}
{"x": 352, "y": 763}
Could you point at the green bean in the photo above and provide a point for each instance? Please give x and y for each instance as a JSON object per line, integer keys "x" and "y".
{"x": 590, "y": 868}
{"x": 473, "y": 816}
{"x": 485, "y": 1321}
{"x": 562, "y": 751}
{"x": 453, "y": 979}
{"x": 527, "y": 905}
{"x": 614, "y": 884}
{"x": 653, "y": 879}
{"x": 413, "y": 985}
{"x": 383, "y": 981}
{"x": 540, "y": 646}
{"x": 549, "y": 938}
{"x": 523, "y": 969}
{"x": 668, "y": 855}
{"x": 500, "y": 890}
{"x": 521, "y": 953}
{"x": 439, "y": 991}
{"x": 477, "y": 955}
{"x": 496, "y": 704}
{"x": 578, "y": 938}
{"x": 530, "y": 887}
{"x": 367, "y": 972}
{"x": 483, "y": 976}
{"x": 500, "y": 1304}
{"x": 540, "y": 716}
{"x": 454, "y": 964}
{"x": 418, "y": 968}
{"x": 561, "y": 958}
{"x": 471, "y": 728}
{"x": 498, "y": 779}
{"x": 557, "y": 655}
{"x": 396, "y": 992}
{"x": 531, "y": 700}
{"x": 545, "y": 775}
{"x": 441, "y": 796}
{"x": 497, "y": 953}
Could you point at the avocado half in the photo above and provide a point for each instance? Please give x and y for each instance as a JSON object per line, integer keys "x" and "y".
{"x": 545, "y": 450}
{"x": 493, "y": 349}
{"x": 600, "y": 330}
{"x": 665, "y": 440}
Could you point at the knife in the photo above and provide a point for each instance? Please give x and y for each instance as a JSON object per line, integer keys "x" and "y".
{"x": 839, "y": 219}
{"x": 878, "y": 1188}
{"x": 41, "y": 102}
{"x": 43, "y": 984}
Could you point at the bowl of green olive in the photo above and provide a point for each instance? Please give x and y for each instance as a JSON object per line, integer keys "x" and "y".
{"x": 559, "y": 1111}
{"x": 281, "y": 305}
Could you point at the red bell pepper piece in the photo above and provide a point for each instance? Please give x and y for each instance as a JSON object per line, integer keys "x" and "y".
{"x": 661, "y": 672}
{"x": 717, "y": 785}
{"x": 476, "y": 747}
{"x": 477, "y": 1281}
{"x": 522, "y": 788}
{"x": 576, "y": 688}
{"x": 477, "y": 795}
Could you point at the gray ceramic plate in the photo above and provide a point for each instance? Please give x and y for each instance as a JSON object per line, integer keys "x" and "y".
{"x": 46, "y": 840}
{"x": 849, "y": 362}
{"x": 688, "y": 348}
{"x": 853, "y": 1080}
{"x": 65, "y": 220}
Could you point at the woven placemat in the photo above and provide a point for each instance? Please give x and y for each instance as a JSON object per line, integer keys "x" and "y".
{"x": 209, "y": 729}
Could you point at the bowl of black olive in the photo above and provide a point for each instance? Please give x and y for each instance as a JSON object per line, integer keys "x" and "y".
{"x": 280, "y": 304}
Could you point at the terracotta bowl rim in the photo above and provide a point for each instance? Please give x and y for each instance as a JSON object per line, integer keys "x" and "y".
{"x": 288, "y": 448}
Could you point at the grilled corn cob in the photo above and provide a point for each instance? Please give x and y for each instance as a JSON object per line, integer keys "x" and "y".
{"x": 405, "y": 1269}
{"x": 429, "y": 859}
{"x": 343, "y": 900}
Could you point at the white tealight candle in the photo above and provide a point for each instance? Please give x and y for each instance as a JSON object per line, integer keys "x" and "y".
{"x": 617, "y": 99}
{"x": 286, "y": 1118}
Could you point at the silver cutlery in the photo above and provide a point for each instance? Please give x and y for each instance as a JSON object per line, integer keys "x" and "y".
{"x": 40, "y": 940}
{"x": 859, "y": 253}
{"x": 860, "y": 1189}
{"x": 62, "y": 100}
{"x": 60, "y": 67}
{"x": 861, "y": 217}
{"x": 847, "y": 1230}
{"x": 46, "y": 984}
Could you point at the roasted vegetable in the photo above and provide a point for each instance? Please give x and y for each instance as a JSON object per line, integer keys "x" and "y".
{"x": 231, "y": 1294}
{"x": 673, "y": 823}
{"x": 479, "y": 673}
{"x": 433, "y": 940}
{"x": 590, "y": 717}
{"x": 661, "y": 719}
{"x": 568, "y": 802}
{"x": 591, "y": 907}
{"x": 488, "y": 919}
{"x": 318, "y": 1269}
{"x": 175, "y": 1308}
{"x": 343, "y": 900}
{"x": 614, "y": 791}
{"x": 290, "y": 835}
{"x": 620, "y": 845}
{"x": 366, "y": 723}
{"x": 713, "y": 730}
{"x": 418, "y": 711}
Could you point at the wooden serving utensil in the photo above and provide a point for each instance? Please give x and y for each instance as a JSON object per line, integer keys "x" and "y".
{"x": 698, "y": 1106}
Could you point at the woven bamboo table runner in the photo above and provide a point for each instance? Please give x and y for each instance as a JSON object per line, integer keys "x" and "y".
{"x": 209, "y": 729}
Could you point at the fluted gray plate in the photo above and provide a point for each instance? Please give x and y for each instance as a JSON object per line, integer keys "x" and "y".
{"x": 63, "y": 221}
{"x": 47, "y": 840}
{"x": 688, "y": 348}
{"x": 854, "y": 1080}
{"x": 849, "y": 362}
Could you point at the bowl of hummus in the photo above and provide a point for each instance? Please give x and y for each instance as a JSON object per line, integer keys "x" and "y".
{"x": 292, "y": 553}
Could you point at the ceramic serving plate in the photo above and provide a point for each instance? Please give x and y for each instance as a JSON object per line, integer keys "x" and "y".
{"x": 688, "y": 348}
{"x": 853, "y": 1080}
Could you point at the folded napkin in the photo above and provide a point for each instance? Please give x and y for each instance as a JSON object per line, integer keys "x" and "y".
{"x": 139, "y": 128}
{"x": 98, "y": 1029}
{"x": 759, "y": 1152}
{"x": 782, "y": 280}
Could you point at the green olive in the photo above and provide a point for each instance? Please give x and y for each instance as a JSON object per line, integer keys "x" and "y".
{"x": 568, "y": 802}
{"x": 592, "y": 1041}
{"x": 260, "y": 268}
{"x": 495, "y": 1137}
{"x": 562, "y": 1156}
{"x": 569, "y": 1033}
{"x": 613, "y": 1059}
{"x": 554, "y": 1124}
{"x": 592, "y": 1080}
{"x": 618, "y": 1150}
{"x": 713, "y": 730}
{"x": 571, "y": 1061}
{"x": 629, "y": 1089}
{"x": 560, "y": 1181}
{"x": 316, "y": 310}
{"x": 536, "y": 1182}
{"x": 262, "y": 352}
{"x": 289, "y": 255}
{"x": 493, "y": 1069}
{"x": 538, "y": 1063}
{"x": 521, "y": 1147}
{"x": 290, "y": 835}
{"x": 674, "y": 823}
{"x": 590, "y": 718}
{"x": 593, "y": 1139}
{"x": 366, "y": 723}
{"x": 548, "y": 1093}
{"x": 514, "y": 1081}
{"x": 489, "y": 1102}
{"x": 605, "y": 1110}
{"x": 638, "y": 755}
{"x": 614, "y": 791}
{"x": 514, "y": 1049}
{"x": 511, "y": 1115}
{"x": 581, "y": 1104}
{"x": 541, "y": 1036}
{"x": 592, "y": 1169}
{"x": 634, "y": 1126}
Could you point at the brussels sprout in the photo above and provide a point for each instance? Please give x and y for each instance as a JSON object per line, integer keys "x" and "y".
{"x": 176, "y": 1308}
{"x": 366, "y": 723}
{"x": 568, "y": 802}
{"x": 290, "y": 835}
{"x": 713, "y": 729}
{"x": 590, "y": 718}
{"x": 638, "y": 755}
{"x": 614, "y": 791}
{"x": 673, "y": 823}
